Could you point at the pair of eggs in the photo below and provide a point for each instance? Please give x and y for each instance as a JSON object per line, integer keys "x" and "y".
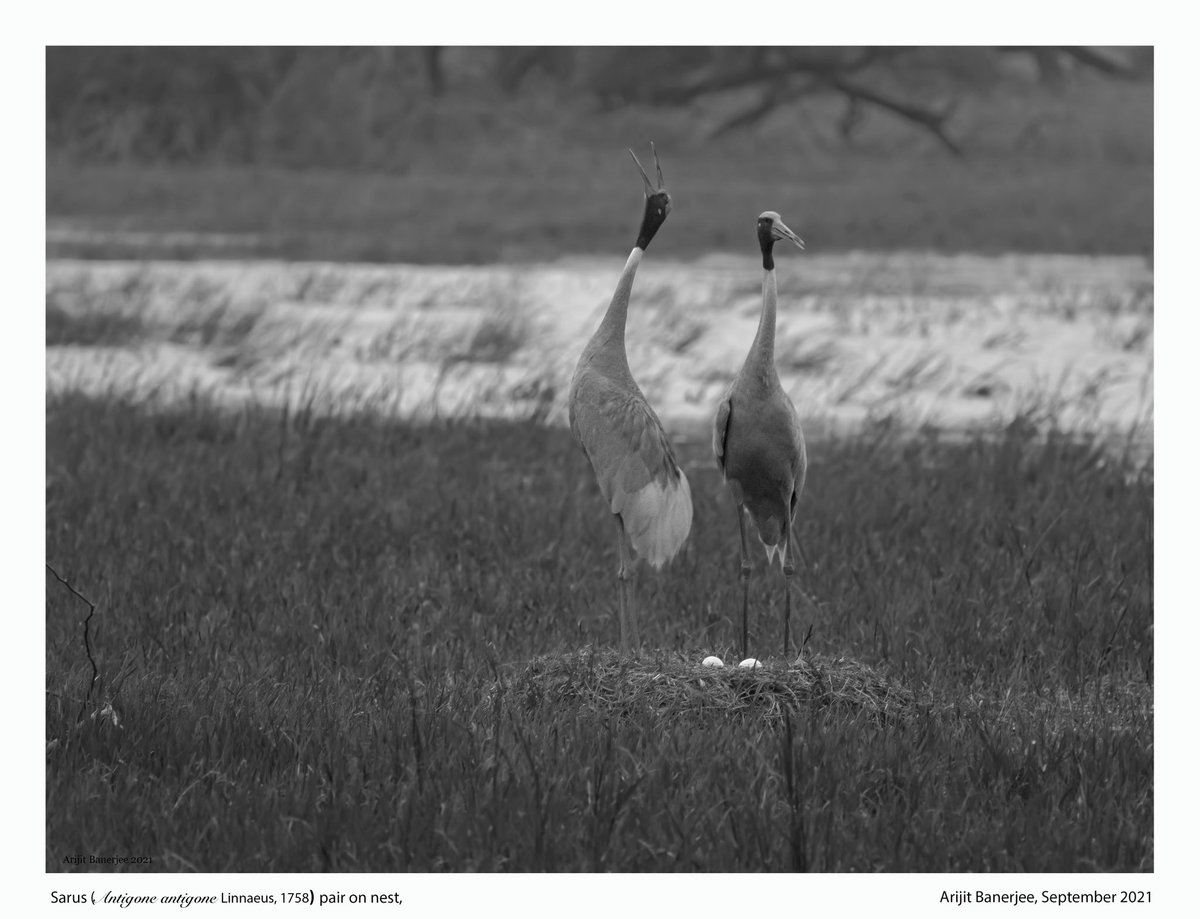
{"x": 748, "y": 664}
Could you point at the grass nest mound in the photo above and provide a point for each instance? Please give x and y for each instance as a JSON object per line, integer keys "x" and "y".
{"x": 674, "y": 683}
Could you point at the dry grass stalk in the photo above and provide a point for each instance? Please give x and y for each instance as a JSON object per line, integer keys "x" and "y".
{"x": 675, "y": 683}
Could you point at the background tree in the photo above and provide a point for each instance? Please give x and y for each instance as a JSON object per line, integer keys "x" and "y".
{"x": 361, "y": 107}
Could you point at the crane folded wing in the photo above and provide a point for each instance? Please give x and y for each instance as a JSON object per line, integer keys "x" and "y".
{"x": 638, "y": 475}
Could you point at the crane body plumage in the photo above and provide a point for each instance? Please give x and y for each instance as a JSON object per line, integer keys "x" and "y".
{"x": 758, "y": 441}
{"x": 757, "y": 438}
{"x": 633, "y": 461}
{"x": 623, "y": 439}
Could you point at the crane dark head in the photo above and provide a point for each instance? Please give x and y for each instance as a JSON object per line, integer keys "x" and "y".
{"x": 658, "y": 202}
{"x": 771, "y": 228}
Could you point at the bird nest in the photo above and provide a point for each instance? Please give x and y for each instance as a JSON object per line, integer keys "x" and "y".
{"x": 674, "y": 683}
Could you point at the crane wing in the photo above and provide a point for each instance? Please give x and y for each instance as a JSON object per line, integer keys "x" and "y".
{"x": 799, "y": 462}
{"x": 721, "y": 429}
{"x": 636, "y": 469}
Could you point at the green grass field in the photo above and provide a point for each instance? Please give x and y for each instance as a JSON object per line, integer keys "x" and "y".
{"x": 323, "y": 644}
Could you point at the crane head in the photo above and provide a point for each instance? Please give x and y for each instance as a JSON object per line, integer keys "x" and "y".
{"x": 658, "y": 202}
{"x": 770, "y": 229}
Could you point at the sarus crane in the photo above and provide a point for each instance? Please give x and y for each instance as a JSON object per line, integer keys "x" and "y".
{"x": 619, "y": 433}
{"x": 758, "y": 442}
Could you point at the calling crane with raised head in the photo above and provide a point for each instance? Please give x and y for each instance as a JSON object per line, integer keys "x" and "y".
{"x": 758, "y": 442}
{"x": 623, "y": 439}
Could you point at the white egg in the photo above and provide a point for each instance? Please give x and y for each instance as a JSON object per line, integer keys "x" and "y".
{"x": 713, "y": 661}
{"x": 750, "y": 664}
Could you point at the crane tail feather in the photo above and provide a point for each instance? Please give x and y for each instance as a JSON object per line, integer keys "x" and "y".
{"x": 777, "y": 551}
{"x": 658, "y": 518}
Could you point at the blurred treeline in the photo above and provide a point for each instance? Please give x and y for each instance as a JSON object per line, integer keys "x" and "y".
{"x": 376, "y": 108}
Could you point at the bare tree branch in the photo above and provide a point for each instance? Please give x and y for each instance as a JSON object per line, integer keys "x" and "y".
{"x": 830, "y": 71}
{"x": 1097, "y": 60}
{"x": 927, "y": 118}
{"x": 759, "y": 69}
{"x": 87, "y": 641}
{"x": 772, "y": 98}
{"x": 1046, "y": 57}
{"x": 431, "y": 57}
{"x": 851, "y": 118}
{"x": 720, "y": 82}
{"x": 769, "y": 102}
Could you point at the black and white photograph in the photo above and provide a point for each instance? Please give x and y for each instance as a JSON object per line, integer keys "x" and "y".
{"x": 599, "y": 459}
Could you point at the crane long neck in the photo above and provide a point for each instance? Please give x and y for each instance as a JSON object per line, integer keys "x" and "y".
{"x": 612, "y": 327}
{"x": 764, "y": 340}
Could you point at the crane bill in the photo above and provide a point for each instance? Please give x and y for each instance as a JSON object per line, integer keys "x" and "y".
{"x": 645, "y": 178}
{"x": 780, "y": 230}
{"x": 657, "y": 166}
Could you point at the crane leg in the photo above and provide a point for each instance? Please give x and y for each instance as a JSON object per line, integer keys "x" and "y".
{"x": 745, "y": 576}
{"x": 628, "y": 616}
{"x": 789, "y": 569}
